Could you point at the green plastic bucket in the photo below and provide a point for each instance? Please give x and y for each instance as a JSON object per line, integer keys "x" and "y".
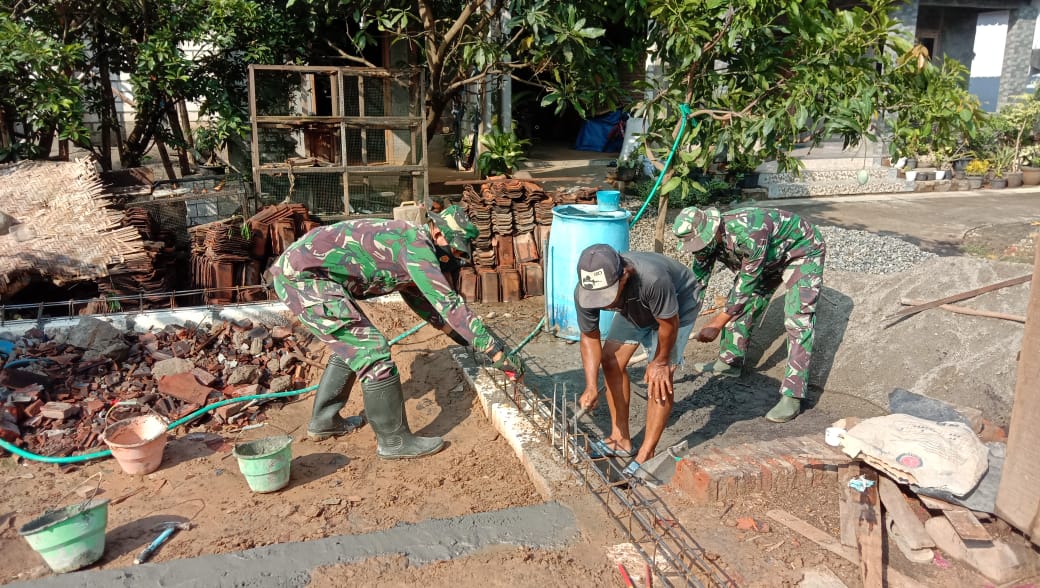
{"x": 69, "y": 538}
{"x": 265, "y": 462}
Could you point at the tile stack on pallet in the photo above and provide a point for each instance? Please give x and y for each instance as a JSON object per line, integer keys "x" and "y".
{"x": 230, "y": 254}
{"x": 513, "y": 218}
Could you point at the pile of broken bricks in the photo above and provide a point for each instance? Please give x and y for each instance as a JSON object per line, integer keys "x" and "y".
{"x": 59, "y": 390}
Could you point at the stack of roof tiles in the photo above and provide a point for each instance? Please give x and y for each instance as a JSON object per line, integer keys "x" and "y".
{"x": 230, "y": 256}
{"x": 513, "y": 218}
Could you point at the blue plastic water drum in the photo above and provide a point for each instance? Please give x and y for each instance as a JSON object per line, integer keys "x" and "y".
{"x": 608, "y": 200}
{"x": 575, "y": 227}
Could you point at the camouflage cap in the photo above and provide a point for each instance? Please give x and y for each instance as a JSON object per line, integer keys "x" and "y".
{"x": 456, "y": 226}
{"x": 696, "y": 227}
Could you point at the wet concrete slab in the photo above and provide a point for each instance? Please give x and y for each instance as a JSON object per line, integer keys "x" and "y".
{"x": 544, "y": 526}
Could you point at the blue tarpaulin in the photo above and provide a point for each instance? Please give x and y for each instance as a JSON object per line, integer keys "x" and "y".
{"x": 602, "y": 133}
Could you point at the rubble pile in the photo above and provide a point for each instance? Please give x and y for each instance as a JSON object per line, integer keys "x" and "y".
{"x": 229, "y": 256}
{"x": 60, "y": 390}
{"x": 513, "y": 217}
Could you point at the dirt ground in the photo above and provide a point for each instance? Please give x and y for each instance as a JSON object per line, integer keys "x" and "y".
{"x": 336, "y": 486}
{"x": 340, "y": 487}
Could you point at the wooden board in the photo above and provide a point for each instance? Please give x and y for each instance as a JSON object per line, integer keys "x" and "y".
{"x": 907, "y": 524}
{"x": 847, "y": 515}
{"x": 967, "y": 526}
{"x": 1018, "y": 497}
{"x": 868, "y": 535}
{"x": 896, "y": 579}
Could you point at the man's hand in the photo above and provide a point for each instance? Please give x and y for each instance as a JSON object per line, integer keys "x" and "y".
{"x": 589, "y": 399}
{"x": 510, "y": 363}
{"x": 708, "y": 334}
{"x": 659, "y": 382}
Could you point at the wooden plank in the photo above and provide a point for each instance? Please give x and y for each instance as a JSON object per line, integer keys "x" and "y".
{"x": 907, "y": 524}
{"x": 967, "y": 526}
{"x": 958, "y": 297}
{"x": 969, "y": 311}
{"x": 1018, "y": 497}
{"x": 868, "y": 535}
{"x": 896, "y": 579}
{"x": 847, "y": 514}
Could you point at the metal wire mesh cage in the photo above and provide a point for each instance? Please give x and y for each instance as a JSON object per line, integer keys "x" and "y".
{"x": 342, "y": 141}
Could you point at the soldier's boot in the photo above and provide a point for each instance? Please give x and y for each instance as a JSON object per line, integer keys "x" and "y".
{"x": 332, "y": 395}
{"x": 785, "y": 410}
{"x": 384, "y": 408}
{"x": 717, "y": 368}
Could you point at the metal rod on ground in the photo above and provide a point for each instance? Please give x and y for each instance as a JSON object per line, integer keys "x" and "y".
{"x": 491, "y": 181}
{"x": 969, "y": 311}
{"x": 958, "y": 297}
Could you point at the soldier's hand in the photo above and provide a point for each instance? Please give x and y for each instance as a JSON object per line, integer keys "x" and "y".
{"x": 708, "y": 334}
{"x": 510, "y": 363}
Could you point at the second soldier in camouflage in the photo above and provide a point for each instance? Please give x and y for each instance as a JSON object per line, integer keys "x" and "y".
{"x": 321, "y": 277}
{"x": 765, "y": 248}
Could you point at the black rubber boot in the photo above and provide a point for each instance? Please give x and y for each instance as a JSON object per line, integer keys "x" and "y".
{"x": 333, "y": 392}
{"x": 384, "y": 408}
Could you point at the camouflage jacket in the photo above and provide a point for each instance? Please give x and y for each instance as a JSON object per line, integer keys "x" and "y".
{"x": 757, "y": 244}
{"x": 374, "y": 257}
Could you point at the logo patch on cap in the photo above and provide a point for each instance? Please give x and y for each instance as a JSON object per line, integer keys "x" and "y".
{"x": 594, "y": 280}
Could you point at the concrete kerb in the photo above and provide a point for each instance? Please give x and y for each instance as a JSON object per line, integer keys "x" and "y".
{"x": 542, "y": 526}
{"x": 783, "y": 202}
{"x": 549, "y": 475}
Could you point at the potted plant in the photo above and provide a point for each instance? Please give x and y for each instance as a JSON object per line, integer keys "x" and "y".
{"x": 975, "y": 171}
{"x": 502, "y": 153}
{"x": 1031, "y": 165}
{"x": 1018, "y": 120}
{"x": 1003, "y": 163}
{"x": 208, "y": 141}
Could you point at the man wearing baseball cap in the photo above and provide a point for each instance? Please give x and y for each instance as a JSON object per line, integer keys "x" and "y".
{"x": 323, "y": 274}
{"x": 657, "y": 300}
{"x": 764, "y": 247}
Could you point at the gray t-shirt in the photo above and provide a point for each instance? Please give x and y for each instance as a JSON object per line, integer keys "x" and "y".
{"x": 660, "y": 288}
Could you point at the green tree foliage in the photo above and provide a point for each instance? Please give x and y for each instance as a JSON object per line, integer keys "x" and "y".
{"x": 40, "y": 97}
{"x": 560, "y": 46}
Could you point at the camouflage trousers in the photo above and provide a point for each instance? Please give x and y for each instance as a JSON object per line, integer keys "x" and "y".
{"x": 334, "y": 316}
{"x": 804, "y": 279}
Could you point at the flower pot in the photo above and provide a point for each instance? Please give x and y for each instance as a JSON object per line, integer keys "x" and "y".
{"x": 961, "y": 164}
{"x": 940, "y": 174}
{"x": 911, "y": 163}
{"x": 958, "y": 174}
{"x": 998, "y": 183}
{"x": 1030, "y": 175}
{"x": 911, "y": 176}
{"x": 974, "y": 182}
{"x": 1014, "y": 179}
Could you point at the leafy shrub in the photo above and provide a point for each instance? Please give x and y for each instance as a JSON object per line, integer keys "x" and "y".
{"x": 977, "y": 167}
{"x": 502, "y": 154}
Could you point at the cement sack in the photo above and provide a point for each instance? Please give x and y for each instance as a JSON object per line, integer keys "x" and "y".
{"x": 947, "y": 456}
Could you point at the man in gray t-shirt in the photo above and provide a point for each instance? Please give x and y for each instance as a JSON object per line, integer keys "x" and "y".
{"x": 657, "y": 301}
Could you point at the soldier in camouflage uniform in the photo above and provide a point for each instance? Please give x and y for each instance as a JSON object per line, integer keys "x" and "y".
{"x": 765, "y": 247}
{"x": 321, "y": 277}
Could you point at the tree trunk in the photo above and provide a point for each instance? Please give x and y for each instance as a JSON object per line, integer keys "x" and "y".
{"x": 63, "y": 150}
{"x": 166, "y": 161}
{"x": 137, "y": 142}
{"x": 178, "y": 135}
{"x": 189, "y": 138}
{"x": 46, "y": 141}
{"x": 107, "y": 113}
{"x": 437, "y": 104}
{"x": 662, "y": 217}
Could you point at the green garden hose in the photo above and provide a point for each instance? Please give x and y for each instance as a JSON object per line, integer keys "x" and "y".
{"x": 97, "y": 455}
{"x": 685, "y": 109}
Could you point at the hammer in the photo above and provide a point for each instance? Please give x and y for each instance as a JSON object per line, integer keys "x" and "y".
{"x": 168, "y": 529}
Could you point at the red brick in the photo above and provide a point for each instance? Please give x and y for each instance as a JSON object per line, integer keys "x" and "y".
{"x": 9, "y": 432}
{"x": 204, "y": 377}
{"x": 228, "y": 410}
{"x": 695, "y": 482}
{"x": 34, "y": 408}
{"x": 59, "y": 411}
{"x": 94, "y": 405}
{"x": 185, "y": 387}
{"x": 240, "y": 391}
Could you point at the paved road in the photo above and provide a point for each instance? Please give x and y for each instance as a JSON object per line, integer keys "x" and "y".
{"x": 935, "y": 222}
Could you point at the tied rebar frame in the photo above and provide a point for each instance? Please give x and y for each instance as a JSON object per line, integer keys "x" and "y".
{"x": 638, "y": 512}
